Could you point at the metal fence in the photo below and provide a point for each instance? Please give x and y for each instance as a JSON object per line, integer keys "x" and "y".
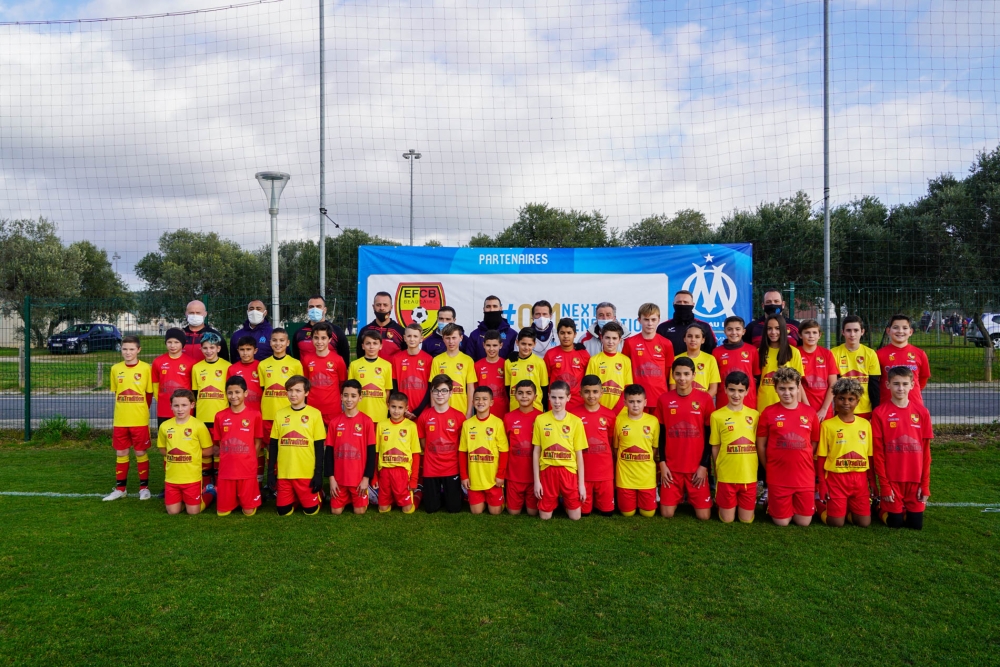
{"x": 41, "y": 381}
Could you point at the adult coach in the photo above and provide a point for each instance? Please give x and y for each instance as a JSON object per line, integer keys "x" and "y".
{"x": 316, "y": 313}
{"x": 256, "y": 326}
{"x": 390, "y": 330}
{"x": 674, "y": 328}
{"x": 196, "y": 314}
{"x": 773, "y": 304}
{"x": 493, "y": 320}
{"x": 591, "y": 339}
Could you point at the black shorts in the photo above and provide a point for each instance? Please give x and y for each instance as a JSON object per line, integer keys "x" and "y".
{"x": 446, "y": 490}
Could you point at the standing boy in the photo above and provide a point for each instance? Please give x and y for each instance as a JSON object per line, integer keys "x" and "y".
{"x": 557, "y": 460}
{"x": 411, "y": 369}
{"x": 208, "y": 380}
{"x": 298, "y": 445}
{"x": 599, "y": 457}
{"x": 636, "y": 437}
{"x": 566, "y": 363}
{"x": 490, "y": 372}
{"x": 325, "y": 371}
{"x": 843, "y": 458}
{"x": 183, "y": 442}
{"x": 900, "y": 354}
{"x": 706, "y": 370}
{"x": 350, "y": 453}
{"x": 734, "y": 449}
{"x": 440, "y": 429}
{"x": 375, "y": 375}
{"x": 238, "y": 433}
{"x": 132, "y": 385}
{"x": 614, "y": 368}
{"x": 736, "y": 355}
{"x": 483, "y": 455}
{"x": 820, "y": 369}
{"x": 246, "y": 368}
{"x": 171, "y": 371}
{"x": 274, "y": 373}
{"x": 519, "y": 425}
{"x": 651, "y": 355}
{"x": 527, "y": 366}
{"x": 859, "y": 362}
{"x": 459, "y": 367}
{"x": 398, "y": 457}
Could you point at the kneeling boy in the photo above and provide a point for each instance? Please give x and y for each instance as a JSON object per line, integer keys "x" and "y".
{"x": 298, "y": 441}
{"x": 184, "y": 442}
{"x": 238, "y": 432}
{"x": 637, "y": 435}
{"x": 483, "y": 455}
{"x": 398, "y": 457}
{"x": 734, "y": 448}
{"x": 350, "y": 452}
{"x": 845, "y": 446}
{"x": 557, "y": 460}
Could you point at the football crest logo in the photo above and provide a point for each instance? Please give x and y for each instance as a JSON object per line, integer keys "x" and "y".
{"x": 284, "y": 370}
{"x": 245, "y": 422}
{"x": 749, "y": 420}
{"x": 137, "y": 377}
{"x": 565, "y": 429}
{"x": 402, "y": 433}
{"x": 646, "y": 430}
{"x": 803, "y": 419}
{"x": 914, "y": 418}
{"x": 419, "y": 303}
{"x": 218, "y": 373}
{"x": 357, "y": 428}
{"x": 531, "y": 368}
{"x": 489, "y": 431}
{"x": 182, "y": 368}
{"x": 603, "y": 421}
{"x": 618, "y": 367}
{"x": 305, "y": 419}
{"x": 695, "y": 405}
{"x": 451, "y": 423}
{"x": 745, "y": 355}
{"x": 861, "y": 359}
{"x": 862, "y": 435}
{"x": 187, "y": 433}
{"x": 460, "y": 366}
{"x": 701, "y": 366}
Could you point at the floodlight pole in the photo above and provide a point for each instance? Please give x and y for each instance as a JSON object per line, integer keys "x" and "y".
{"x": 322, "y": 152}
{"x": 416, "y": 156}
{"x": 273, "y": 182}
{"x": 826, "y": 172}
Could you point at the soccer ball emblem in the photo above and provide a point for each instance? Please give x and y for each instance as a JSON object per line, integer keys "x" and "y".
{"x": 419, "y": 315}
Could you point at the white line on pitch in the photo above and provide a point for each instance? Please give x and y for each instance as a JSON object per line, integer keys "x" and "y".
{"x": 50, "y": 494}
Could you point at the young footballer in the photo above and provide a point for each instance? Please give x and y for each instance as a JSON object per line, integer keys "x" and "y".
{"x": 238, "y": 434}
{"x": 274, "y": 373}
{"x": 527, "y": 366}
{"x": 298, "y": 445}
{"x": 208, "y": 381}
{"x": 350, "y": 453}
{"x": 132, "y": 385}
{"x": 483, "y": 455}
{"x": 459, "y": 367}
{"x": 246, "y": 368}
{"x": 787, "y": 435}
{"x": 171, "y": 371}
{"x": 636, "y": 438}
{"x": 411, "y": 370}
{"x": 557, "y": 458}
{"x": 706, "y": 370}
{"x": 490, "y": 372}
{"x": 183, "y": 441}
{"x": 519, "y": 425}
{"x": 439, "y": 428}
{"x": 398, "y": 457}
{"x": 776, "y": 352}
{"x": 859, "y": 362}
{"x": 599, "y": 457}
{"x": 685, "y": 453}
{"x": 900, "y": 354}
{"x": 902, "y": 453}
{"x": 651, "y": 355}
{"x": 736, "y": 355}
{"x": 325, "y": 371}
{"x": 566, "y": 363}
{"x": 375, "y": 375}
{"x": 820, "y": 370}
{"x": 613, "y": 367}
{"x": 845, "y": 447}
{"x": 734, "y": 449}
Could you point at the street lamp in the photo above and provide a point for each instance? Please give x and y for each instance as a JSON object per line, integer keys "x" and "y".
{"x": 416, "y": 156}
{"x": 273, "y": 182}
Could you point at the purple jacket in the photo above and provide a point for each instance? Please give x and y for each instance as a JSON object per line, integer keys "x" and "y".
{"x": 508, "y": 339}
{"x": 261, "y": 335}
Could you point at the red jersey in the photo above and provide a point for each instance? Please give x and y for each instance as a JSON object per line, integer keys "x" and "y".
{"x": 325, "y": 375}
{"x": 743, "y": 358}
{"x": 684, "y": 420}
{"x": 170, "y": 375}
{"x": 651, "y": 362}
{"x": 909, "y": 356}
{"x": 249, "y": 374}
{"x": 789, "y": 449}
{"x": 350, "y": 438}
{"x": 569, "y": 367}
{"x": 520, "y": 426}
{"x": 598, "y": 458}
{"x": 901, "y": 448}
{"x": 491, "y": 375}
{"x": 236, "y": 433}
{"x": 819, "y": 365}
{"x": 441, "y": 433}
{"x": 412, "y": 373}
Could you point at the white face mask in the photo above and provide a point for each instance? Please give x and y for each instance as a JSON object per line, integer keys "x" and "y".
{"x": 255, "y": 316}
{"x": 196, "y": 320}
{"x": 542, "y": 323}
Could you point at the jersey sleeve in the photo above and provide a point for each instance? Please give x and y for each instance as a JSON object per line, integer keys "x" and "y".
{"x": 470, "y": 373}
{"x": 714, "y": 376}
{"x": 161, "y": 438}
{"x": 796, "y": 362}
{"x": 536, "y": 435}
{"x": 204, "y": 437}
{"x": 414, "y": 443}
{"x": 341, "y": 369}
{"x": 543, "y": 375}
{"x": 925, "y": 368}
{"x": 297, "y": 364}
{"x": 351, "y": 372}
{"x": 503, "y": 444}
{"x": 755, "y": 361}
{"x": 763, "y": 424}
{"x": 715, "y": 437}
{"x": 194, "y": 382}
{"x": 824, "y": 448}
{"x": 579, "y": 437}
{"x": 627, "y": 375}
{"x": 872, "y": 365}
{"x": 111, "y": 381}
{"x": 814, "y": 428}
{"x": 656, "y": 433}
{"x": 506, "y": 372}
{"x": 592, "y": 366}
{"x": 463, "y": 441}
{"x": 319, "y": 428}
{"x": 421, "y": 425}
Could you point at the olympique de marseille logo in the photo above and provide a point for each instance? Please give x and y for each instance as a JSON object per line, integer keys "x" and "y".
{"x": 715, "y": 300}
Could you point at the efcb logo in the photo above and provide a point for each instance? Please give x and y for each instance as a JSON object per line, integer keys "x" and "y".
{"x": 714, "y": 292}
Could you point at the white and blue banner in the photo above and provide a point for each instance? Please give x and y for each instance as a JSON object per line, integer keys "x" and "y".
{"x": 574, "y": 280}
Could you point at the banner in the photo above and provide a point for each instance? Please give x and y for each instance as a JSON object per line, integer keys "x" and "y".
{"x": 574, "y": 280}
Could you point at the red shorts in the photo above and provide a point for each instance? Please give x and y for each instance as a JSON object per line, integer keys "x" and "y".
{"x": 728, "y": 496}
{"x": 348, "y": 494}
{"x": 394, "y": 486}
{"x": 600, "y": 493}
{"x": 125, "y": 437}
{"x": 848, "y": 492}
{"x": 784, "y": 501}
{"x": 629, "y": 498}
{"x": 520, "y": 494}
{"x": 291, "y": 490}
{"x": 698, "y": 498}
{"x": 904, "y": 497}
{"x": 233, "y": 493}
{"x": 492, "y": 496}
{"x": 189, "y": 494}
{"x": 559, "y": 481}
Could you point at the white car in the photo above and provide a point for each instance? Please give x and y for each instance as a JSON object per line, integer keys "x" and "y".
{"x": 992, "y": 323}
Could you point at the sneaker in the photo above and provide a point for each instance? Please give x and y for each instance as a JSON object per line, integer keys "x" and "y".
{"x": 209, "y": 489}
{"x": 116, "y": 494}
{"x": 144, "y": 494}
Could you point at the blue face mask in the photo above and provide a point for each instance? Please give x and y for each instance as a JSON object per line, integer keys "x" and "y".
{"x": 603, "y": 323}
{"x": 315, "y": 314}
{"x": 442, "y": 325}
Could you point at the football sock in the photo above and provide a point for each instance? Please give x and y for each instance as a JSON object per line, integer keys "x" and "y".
{"x": 647, "y": 513}
{"x": 309, "y": 511}
{"x": 261, "y": 467}
{"x": 411, "y": 510}
{"x": 285, "y": 510}
{"x": 822, "y": 516}
{"x": 222, "y": 513}
{"x": 142, "y": 465}
{"x": 632, "y": 513}
{"x": 250, "y": 512}
{"x": 385, "y": 508}
{"x": 914, "y": 520}
{"x": 215, "y": 467}
{"x": 750, "y": 520}
{"x": 893, "y": 519}
{"x": 121, "y": 472}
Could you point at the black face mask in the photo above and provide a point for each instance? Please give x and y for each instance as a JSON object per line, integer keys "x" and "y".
{"x": 683, "y": 313}
{"x": 492, "y": 319}
{"x": 772, "y": 309}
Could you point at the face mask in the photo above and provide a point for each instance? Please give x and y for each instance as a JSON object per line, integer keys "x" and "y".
{"x": 196, "y": 320}
{"x": 442, "y": 325}
{"x": 683, "y": 313}
{"x": 541, "y": 323}
{"x": 314, "y": 314}
{"x": 771, "y": 309}
{"x": 492, "y": 319}
{"x": 603, "y": 323}
{"x": 255, "y": 316}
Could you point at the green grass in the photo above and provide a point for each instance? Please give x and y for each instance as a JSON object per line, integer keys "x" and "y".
{"x": 85, "y": 582}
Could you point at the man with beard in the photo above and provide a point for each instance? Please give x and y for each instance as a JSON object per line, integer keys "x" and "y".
{"x": 390, "y": 330}
{"x": 493, "y": 320}
{"x": 773, "y": 305}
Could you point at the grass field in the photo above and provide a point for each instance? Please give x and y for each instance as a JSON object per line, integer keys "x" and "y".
{"x": 86, "y": 582}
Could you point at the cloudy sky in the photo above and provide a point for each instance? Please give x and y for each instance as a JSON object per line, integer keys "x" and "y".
{"x": 119, "y": 130}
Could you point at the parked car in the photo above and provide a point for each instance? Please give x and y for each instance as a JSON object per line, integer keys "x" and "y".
{"x": 992, "y": 323}
{"x": 82, "y": 338}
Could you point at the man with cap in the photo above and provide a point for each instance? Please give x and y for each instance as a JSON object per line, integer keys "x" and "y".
{"x": 255, "y": 326}
{"x": 675, "y": 328}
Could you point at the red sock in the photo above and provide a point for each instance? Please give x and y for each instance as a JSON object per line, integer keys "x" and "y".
{"x": 121, "y": 472}
{"x": 142, "y": 465}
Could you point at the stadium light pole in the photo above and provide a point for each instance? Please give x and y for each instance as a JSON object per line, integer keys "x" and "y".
{"x": 415, "y": 156}
{"x": 273, "y": 183}
{"x": 826, "y": 172}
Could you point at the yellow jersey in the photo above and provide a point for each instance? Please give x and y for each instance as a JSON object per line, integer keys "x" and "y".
{"x": 635, "y": 442}
{"x": 845, "y": 446}
{"x": 559, "y": 440}
{"x": 182, "y": 445}
{"x": 297, "y": 432}
{"x": 273, "y": 374}
{"x": 735, "y": 434}
{"x": 208, "y": 381}
{"x": 130, "y": 385}
{"x": 462, "y": 371}
{"x": 615, "y": 372}
{"x": 397, "y": 443}
{"x": 859, "y": 365}
{"x": 532, "y": 369}
{"x": 483, "y": 439}
{"x": 375, "y": 376}
{"x": 766, "y": 395}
